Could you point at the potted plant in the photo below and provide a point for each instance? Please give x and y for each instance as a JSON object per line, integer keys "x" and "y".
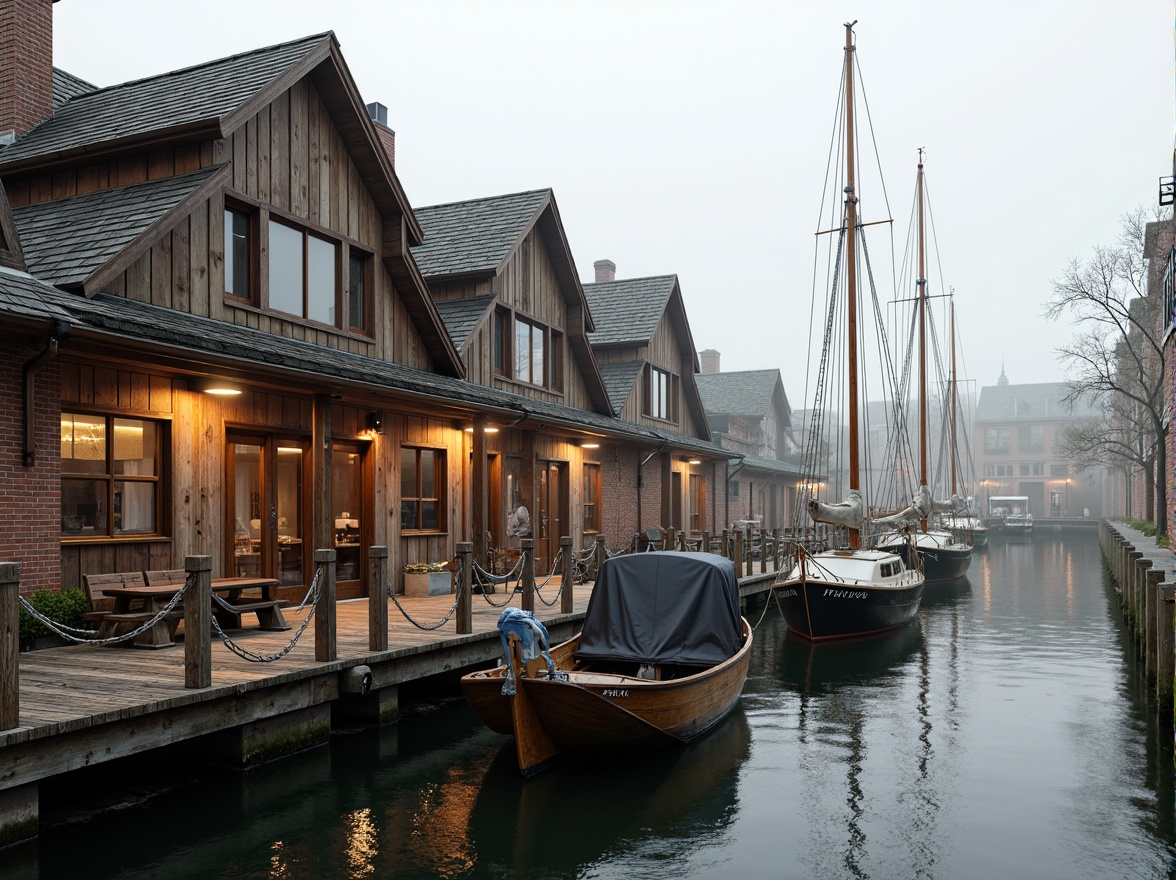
{"x": 427, "y": 579}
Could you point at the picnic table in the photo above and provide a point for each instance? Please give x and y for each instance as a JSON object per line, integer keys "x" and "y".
{"x": 156, "y": 597}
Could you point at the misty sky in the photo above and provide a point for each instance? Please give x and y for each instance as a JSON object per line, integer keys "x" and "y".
{"x": 691, "y": 138}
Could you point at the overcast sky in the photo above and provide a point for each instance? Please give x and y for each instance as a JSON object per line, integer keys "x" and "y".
{"x": 690, "y": 137}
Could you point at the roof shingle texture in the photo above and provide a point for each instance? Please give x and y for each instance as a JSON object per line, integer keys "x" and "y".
{"x": 619, "y": 379}
{"x": 203, "y": 93}
{"x": 744, "y": 393}
{"x": 475, "y": 236}
{"x": 66, "y": 86}
{"x": 461, "y": 316}
{"x": 67, "y": 239}
{"x": 1037, "y": 402}
{"x": 627, "y": 312}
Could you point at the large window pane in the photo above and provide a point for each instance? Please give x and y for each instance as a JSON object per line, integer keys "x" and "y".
{"x": 285, "y": 269}
{"x": 83, "y": 507}
{"x": 537, "y": 359}
{"x": 134, "y": 508}
{"x": 83, "y": 444}
{"x": 289, "y": 491}
{"x": 320, "y": 280}
{"x": 134, "y": 447}
{"x": 522, "y": 351}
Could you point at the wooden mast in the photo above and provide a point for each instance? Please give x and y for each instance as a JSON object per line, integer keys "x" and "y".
{"x": 855, "y": 540}
{"x": 954, "y": 395}
{"x": 921, "y": 288}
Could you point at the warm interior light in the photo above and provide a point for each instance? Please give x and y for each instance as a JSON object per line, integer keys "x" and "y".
{"x": 588, "y": 444}
{"x": 489, "y": 430}
{"x": 695, "y": 461}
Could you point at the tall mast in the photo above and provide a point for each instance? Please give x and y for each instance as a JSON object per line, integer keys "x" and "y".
{"x": 921, "y": 287}
{"x": 954, "y": 395}
{"x": 851, "y": 276}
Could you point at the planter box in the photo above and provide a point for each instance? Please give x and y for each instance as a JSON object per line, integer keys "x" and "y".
{"x": 429, "y": 583}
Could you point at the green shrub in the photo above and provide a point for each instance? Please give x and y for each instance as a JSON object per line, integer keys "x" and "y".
{"x": 1142, "y": 525}
{"x": 60, "y": 606}
{"x": 424, "y": 567}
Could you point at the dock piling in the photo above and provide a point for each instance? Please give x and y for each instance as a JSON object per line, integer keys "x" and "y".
{"x": 198, "y": 623}
{"x": 325, "y": 640}
{"x": 377, "y": 598}
{"x": 9, "y": 645}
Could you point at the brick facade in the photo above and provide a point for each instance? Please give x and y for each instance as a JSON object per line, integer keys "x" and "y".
{"x": 30, "y": 497}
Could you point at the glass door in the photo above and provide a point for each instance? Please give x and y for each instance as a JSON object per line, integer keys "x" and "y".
{"x": 552, "y": 514}
{"x": 267, "y": 506}
{"x": 348, "y": 503}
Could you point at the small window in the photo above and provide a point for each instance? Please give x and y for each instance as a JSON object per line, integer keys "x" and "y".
{"x": 238, "y": 254}
{"x": 661, "y": 394}
{"x": 422, "y": 482}
{"x": 530, "y": 349}
{"x": 110, "y": 476}
{"x": 591, "y": 497}
{"x": 358, "y": 307}
{"x": 502, "y": 327}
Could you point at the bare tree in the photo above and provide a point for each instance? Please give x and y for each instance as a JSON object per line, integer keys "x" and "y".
{"x": 1117, "y": 358}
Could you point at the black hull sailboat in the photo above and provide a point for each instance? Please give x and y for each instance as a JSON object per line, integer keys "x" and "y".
{"x": 854, "y": 591}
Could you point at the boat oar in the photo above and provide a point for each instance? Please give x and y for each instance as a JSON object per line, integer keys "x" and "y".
{"x": 534, "y": 747}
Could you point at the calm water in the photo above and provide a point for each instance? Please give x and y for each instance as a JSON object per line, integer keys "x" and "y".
{"x": 1003, "y": 735}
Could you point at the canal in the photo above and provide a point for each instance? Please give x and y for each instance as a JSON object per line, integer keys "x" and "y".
{"x": 1006, "y": 733}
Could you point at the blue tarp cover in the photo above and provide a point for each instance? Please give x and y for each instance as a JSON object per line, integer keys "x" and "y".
{"x": 663, "y": 607}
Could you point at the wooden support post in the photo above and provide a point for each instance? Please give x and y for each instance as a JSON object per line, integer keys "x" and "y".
{"x": 1132, "y": 555}
{"x": 566, "y": 575}
{"x": 465, "y": 587}
{"x": 198, "y": 623}
{"x": 9, "y": 645}
{"x": 528, "y": 581}
{"x": 776, "y": 549}
{"x": 763, "y": 550}
{"x": 1151, "y": 593}
{"x": 325, "y": 641}
{"x": 1165, "y": 643}
{"x": 636, "y": 542}
{"x": 726, "y": 550}
{"x": 739, "y": 553}
{"x": 598, "y": 556}
{"x": 706, "y": 539}
{"x": 671, "y": 539}
{"x": 378, "y": 598}
{"x": 322, "y": 525}
{"x": 479, "y": 493}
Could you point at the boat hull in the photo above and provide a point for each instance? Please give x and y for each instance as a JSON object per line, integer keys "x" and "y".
{"x": 596, "y": 712}
{"x": 943, "y": 563}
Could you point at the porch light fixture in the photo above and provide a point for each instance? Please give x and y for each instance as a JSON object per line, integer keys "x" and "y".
{"x": 489, "y": 430}
{"x": 375, "y": 422}
{"x": 694, "y": 461}
{"x": 589, "y": 444}
{"x": 213, "y": 385}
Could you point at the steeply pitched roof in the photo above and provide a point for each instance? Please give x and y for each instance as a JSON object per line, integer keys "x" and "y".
{"x": 475, "y": 236}
{"x": 745, "y": 393}
{"x": 619, "y": 379}
{"x": 462, "y": 316}
{"x": 203, "y": 97}
{"x": 66, "y": 86}
{"x": 22, "y": 296}
{"x": 1039, "y": 402}
{"x": 65, "y": 240}
{"x": 627, "y": 312}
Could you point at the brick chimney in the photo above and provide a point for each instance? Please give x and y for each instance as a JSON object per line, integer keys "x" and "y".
{"x": 379, "y": 114}
{"x": 606, "y": 270}
{"x": 26, "y": 65}
{"x": 709, "y": 361}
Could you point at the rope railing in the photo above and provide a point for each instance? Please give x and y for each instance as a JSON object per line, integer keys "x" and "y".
{"x": 245, "y": 653}
{"x": 68, "y": 632}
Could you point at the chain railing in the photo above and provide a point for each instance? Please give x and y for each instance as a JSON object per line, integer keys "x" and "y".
{"x": 482, "y": 578}
{"x": 457, "y": 596}
{"x": 245, "y": 653}
{"x": 563, "y": 579}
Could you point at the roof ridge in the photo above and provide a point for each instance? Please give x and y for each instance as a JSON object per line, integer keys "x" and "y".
{"x": 526, "y": 192}
{"x": 313, "y": 38}
{"x": 630, "y": 280}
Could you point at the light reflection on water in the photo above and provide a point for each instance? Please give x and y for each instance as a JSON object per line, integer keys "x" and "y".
{"x": 1003, "y": 734}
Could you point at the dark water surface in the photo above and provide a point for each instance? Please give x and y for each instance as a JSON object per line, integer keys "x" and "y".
{"x": 1004, "y": 734}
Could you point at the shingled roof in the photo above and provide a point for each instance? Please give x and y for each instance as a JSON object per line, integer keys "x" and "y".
{"x": 627, "y": 312}
{"x": 619, "y": 379}
{"x": 1038, "y": 402}
{"x": 744, "y": 393}
{"x": 475, "y": 236}
{"x": 203, "y": 97}
{"x": 66, "y": 240}
{"x": 67, "y": 86}
{"x": 462, "y": 316}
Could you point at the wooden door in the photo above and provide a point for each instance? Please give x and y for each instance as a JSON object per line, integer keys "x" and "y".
{"x": 553, "y": 519}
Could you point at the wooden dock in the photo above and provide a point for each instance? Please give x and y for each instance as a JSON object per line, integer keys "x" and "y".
{"x": 82, "y": 705}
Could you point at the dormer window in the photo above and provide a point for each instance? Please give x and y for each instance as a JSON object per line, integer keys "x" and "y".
{"x": 303, "y": 273}
{"x": 661, "y": 394}
{"x": 527, "y": 351}
{"x": 238, "y": 254}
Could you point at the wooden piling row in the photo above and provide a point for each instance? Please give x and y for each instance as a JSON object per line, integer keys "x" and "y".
{"x": 1147, "y": 598}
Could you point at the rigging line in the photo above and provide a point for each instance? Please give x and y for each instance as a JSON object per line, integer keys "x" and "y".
{"x": 934, "y": 235}
{"x": 834, "y": 140}
{"x": 873, "y": 140}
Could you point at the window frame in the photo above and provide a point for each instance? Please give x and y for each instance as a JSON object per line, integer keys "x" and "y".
{"x": 440, "y": 481}
{"x": 997, "y": 440}
{"x": 307, "y": 234}
{"x": 504, "y": 362}
{"x": 159, "y": 479}
{"x": 366, "y": 261}
{"x": 592, "y": 523}
{"x": 668, "y": 411}
{"x": 251, "y": 215}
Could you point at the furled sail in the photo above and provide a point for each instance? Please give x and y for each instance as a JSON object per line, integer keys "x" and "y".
{"x": 850, "y": 513}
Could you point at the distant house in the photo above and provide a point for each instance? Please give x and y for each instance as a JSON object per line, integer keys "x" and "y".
{"x": 1017, "y": 431}
{"x": 749, "y": 414}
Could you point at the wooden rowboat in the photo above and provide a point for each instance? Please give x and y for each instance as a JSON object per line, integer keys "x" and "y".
{"x": 662, "y": 659}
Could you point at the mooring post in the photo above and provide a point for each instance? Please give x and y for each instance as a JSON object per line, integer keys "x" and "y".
{"x": 776, "y": 549}
{"x": 598, "y": 556}
{"x": 1151, "y": 592}
{"x": 198, "y": 622}
{"x": 1166, "y": 642}
{"x": 324, "y": 610}
{"x": 378, "y": 598}
{"x": 566, "y": 578}
{"x": 763, "y": 551}
{"x": 727, "y": 545}
{"x": 9, "y": 645}
{"x": 528, "y": 581}
{"x": 1130, "y": 580}
{"x": 739, "y": 553}
{"x": 465, "y": 587}
{"x": 671, "y": 539}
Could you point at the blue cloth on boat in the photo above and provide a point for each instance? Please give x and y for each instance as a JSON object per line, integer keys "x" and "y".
{"x": 533, "y": 641}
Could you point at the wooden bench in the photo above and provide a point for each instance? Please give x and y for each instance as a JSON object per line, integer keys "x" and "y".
{"x": 102, "y": 607}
